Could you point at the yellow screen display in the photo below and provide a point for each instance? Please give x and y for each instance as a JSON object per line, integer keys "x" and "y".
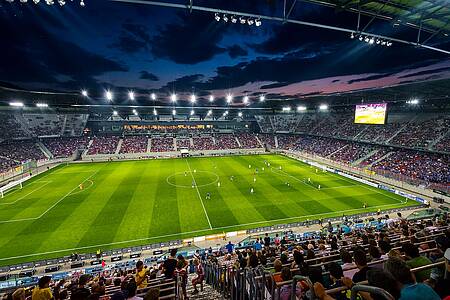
{"x": 370, "y": 113}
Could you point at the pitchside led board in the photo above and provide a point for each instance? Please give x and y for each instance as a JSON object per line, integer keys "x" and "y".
{"x": 374, "y": 113}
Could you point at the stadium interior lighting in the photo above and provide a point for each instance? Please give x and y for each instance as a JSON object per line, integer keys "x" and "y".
{"x": 36, "y": 1}
{"x": 262, "y": 98}
{"x": 233, "y": 19}
{"x": 155, "y": 112}
{"x": 115, "y": 113}
{"x": 286, "y": 108}
{"x": 135, "y": 112}
{"x": 193, "y": 98}
{"x": 413, "y": 101}
{"x": 16, "y": 104}
{"x": 131, "y": 95}
{"x": 84, "y": 93}
{"x": 173, "y": 97}
{"x": 192, "y": 112}
{"x": 153, "y": 96}
{"x": 82, "y": 3}
{"x": 229, "y": 98}
{"x": 109, "y": 95}
{"x": 245, "y": 100}
{"x": 209, "y": 112}
{"x": 240, "y": 114}
{"x": 217, "y": 17}
{"x": 301, "y": 108}
{"x": 174, "y": 112}
{"x": 41, "y": 105}
{"x": 323, "y": 107}
{"x": 250, "y": 22}
{"x": 211, "y": 98}
{"x": 242, "y": 20}
{"x": 225, "y": 18}
{"x": 371, "y": 40}
{"x": 61, "y": 2}
{"x": 258, "y": 22}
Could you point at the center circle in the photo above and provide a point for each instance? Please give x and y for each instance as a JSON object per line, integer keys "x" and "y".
{"x": 186, "y": 179}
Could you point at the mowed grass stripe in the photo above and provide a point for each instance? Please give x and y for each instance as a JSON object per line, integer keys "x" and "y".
{"x": 37, "y": 232}
{"x": 156, "y": 211}
{"x": 165, "y": 215}
{"x": 123, "y": 184}
{"x": 136, "y": 221}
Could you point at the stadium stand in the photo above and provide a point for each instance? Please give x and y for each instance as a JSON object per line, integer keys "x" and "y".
{"x": 162, "y": 144}
{"x": 103, "y": 145}
{"x": 134, "y": 144}
{"x": 65, "y": 146}
{"x": 226, "y": 141}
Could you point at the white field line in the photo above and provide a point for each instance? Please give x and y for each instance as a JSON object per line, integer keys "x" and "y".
{"x": 199, "y": 196}
{"x": 24, "y": 196}
{"x": 52, "y": 206}
{"x": 289, "y": 175}
{"x": 188, "y": 232}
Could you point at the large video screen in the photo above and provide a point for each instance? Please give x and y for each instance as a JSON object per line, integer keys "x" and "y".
{"x": 370, "y": 113}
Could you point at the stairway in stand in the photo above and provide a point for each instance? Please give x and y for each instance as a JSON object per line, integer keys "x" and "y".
{"x": 208, "y": 292}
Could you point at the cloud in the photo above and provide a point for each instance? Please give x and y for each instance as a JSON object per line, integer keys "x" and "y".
{"x": 236, "y": 51}
{"x": 133, "y": 38}
{"x": 425, "y": 72}
{"x": 190, "y": 40}
{"x": 148, "y": 76}
{"x": 274, "y": 85}
{"x": 184, "y": 83}
{"x": 45, "y": 58}
{"x": 371, "y": 77}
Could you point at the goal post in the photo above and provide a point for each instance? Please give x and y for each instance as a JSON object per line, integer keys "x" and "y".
{"x": 13, "y": 184}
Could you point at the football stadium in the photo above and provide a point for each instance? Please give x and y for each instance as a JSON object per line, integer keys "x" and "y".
{"x": 242, "y": 150}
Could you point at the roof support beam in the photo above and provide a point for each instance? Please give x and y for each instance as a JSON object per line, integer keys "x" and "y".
{"x": 279, "y": 19}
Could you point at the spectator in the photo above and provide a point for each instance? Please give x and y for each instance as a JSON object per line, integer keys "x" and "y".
{"x": 152, "y": 294}
{"x": 170, "y": 264}
{"x": 229, "y": 247}
{"x": 361, "y": 263}
{"x": 181, "y": 275}
{"x": 415, "y": 260}
{"x": 141, "y": 275}
{"x": 81, "y": 292}
{"x": 286, "y": 289}
{"x": 199, "y": 278}
{"x": 409, "y": 288}
{"x": 19, "y": 294}
{"x": 131, "y": 291}
{"x": 278, "y": 266}
{"x": 42, "y": 291}
{"x": 266, "y": 240}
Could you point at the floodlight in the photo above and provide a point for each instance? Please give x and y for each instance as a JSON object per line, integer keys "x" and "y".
{"x": 41, "y": 105}
{"x": 323, "y": 107}
{"x": 16, "y": 104}
{"x": 258, "y": 22}
{"x": 301, "y": 108}
{"x": 61, "y": 2}
{"x": 225, "y": 18}
{"x": 135, "y": 112}
{"x": 233, "y": 19}
{"x": 192, "y": 112}
{"x": 174, "y": 112}
{"x": 211, "y": 98}
{"x": 84, "y": 93}
{"x": 352, "y": 35}
{"x": 229, "y": 98}
{"x": 240, "y": 114}
{"x": 155, "y": 112}
{"x": 82, "y": 3}
{"x": 193, "y": 98}
{"x": 286, "y": 109}
{"x": 131, "y": 95}
{"x": 371, "y": 41}
{"x": 153, "y": 96}
{"x": 109, "y": 95}
{"x": 262, "y": 98}
{"x": 173, "y": 97}
{"x": 115, "y": 113}
{"x": 361, "y": 38}
{"x": 250, "y": 22}
{"x": 245, "y": 100}
{"x": 242, "y": 20}
{"x": 217, "y": 17}
{"x": 209, "y": 112}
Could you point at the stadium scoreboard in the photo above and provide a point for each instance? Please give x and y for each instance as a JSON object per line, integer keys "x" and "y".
{"x": 373, "y": 113}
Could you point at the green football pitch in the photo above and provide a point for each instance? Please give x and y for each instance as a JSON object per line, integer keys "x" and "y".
{"x": 131, "y": 203}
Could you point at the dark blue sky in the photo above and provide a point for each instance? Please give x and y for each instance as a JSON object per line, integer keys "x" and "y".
{"x": 146, "y": 48}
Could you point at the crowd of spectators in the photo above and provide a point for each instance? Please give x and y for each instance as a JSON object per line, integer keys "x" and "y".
{"x": 203, "y": 143}
{"x": 320, "y": 146}
{"x": 103, "y": 145}
{"x": 183, "y": 143}
{"x": 268, "y": 140}
{"x": 287, "y": 142}
{"x": 226, "y": 141}
{"x": 134, "y": 144}
{"x": 10, "y": 128}
{"x": 420, "y": 134}
{"x": 443, "y": 144}
{"x": 248, "y": 141}
{"x": 21, "y": 151}
{"x": 373, "y": 158}
{"x": 384, "y": 256}
{"x": 431, "y": 168}
{"x": 162, "y": 144}
{"x": 65, "y": 147}
{"x": 352, "y": 152}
